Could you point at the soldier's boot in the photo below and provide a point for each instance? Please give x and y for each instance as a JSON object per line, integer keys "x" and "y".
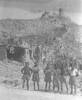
{"x": 23, "y": 84}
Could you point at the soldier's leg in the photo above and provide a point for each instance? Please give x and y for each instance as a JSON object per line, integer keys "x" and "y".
{"x": 57, "y": 86}
{"x": 49, "y": 85}
{"x": 66, "y": 85}
{"x": 38, "y": 84}
{"x": 23, "y": 84}
{"x": 53, "y": 85}
{"x": 27, "y": 84}
{"x": 61, "y": 86}
{"x": 71, "y": 89}
{"x": 75, "y": 90}
{"x": 34, "y": 85}
{"x": 46, "y": 83}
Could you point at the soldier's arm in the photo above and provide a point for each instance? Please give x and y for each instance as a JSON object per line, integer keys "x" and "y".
{"x": 77, "y": 73}
{"x": 22, "y": 70}
{"x": 30, "y": 70}
{"x": 46, "y": 71}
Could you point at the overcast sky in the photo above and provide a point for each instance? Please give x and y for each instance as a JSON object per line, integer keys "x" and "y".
{"x": 73, "y": 7}
{"x": 68, "y": 5}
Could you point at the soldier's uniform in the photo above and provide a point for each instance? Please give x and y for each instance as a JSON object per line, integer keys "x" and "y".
{"x": 47, "y": 75}
{"x": 72, "y": 77}
{"x": 26, "y": 71}
{"x": 62, "y": 77}
{"x": 55, "y": 79}
{"x": 47, "y": 78}
{"x": 72, "y": 80}
{"x": 35, "y": 76}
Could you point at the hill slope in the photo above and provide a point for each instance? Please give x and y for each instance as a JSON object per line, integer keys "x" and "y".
{"x": 46, "y": 24}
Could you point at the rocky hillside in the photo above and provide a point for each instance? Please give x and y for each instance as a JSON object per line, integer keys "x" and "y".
{"x": 47, "y": 24}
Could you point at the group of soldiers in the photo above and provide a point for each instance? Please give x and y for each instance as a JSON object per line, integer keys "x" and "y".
{"x": 54, "y": 74}
{"x": 27, "y": 72}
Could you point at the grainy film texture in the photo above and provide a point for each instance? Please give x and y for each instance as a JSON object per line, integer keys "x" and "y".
{"x": 40, "y": 49}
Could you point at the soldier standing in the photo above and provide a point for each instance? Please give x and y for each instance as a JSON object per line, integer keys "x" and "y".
{"x": 47, "y": 79}
{"x": 62, "y": 76}
{"x": 35, "y": 77}
{"x": 72, "y": 81}
{"x": 26, "y": 71}
{"x": 55, "y": 79}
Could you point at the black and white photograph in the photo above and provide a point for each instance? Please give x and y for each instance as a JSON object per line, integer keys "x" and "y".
{"x": 40, "y": 49}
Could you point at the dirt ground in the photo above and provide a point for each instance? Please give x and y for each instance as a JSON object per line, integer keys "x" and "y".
{"x": 7, "y": 93}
